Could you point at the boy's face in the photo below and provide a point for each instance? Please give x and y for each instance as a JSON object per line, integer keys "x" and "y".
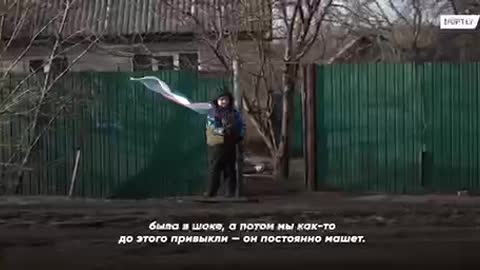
{"x": 223, "y": 102}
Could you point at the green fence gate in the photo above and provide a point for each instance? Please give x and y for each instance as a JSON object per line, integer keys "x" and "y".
{"x": 402, "y": 128}
{"x": 133, "y": 142}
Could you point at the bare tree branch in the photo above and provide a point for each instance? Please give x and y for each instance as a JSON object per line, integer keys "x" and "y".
{"x": 38, "y": 105}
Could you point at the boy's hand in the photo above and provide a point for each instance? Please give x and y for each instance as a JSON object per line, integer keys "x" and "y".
{"x": 219, "y": 131}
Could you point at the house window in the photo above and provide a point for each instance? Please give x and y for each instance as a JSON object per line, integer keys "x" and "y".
{"x": 163, "y": 62}
{"x": 193, "y": 8}
{"x": 40, "y": 65}
{"x": 36, "y": 65}
{"x": 142, "y": 62}
{"x": 183, "y": 61}
{"x": 188, "y": 61}
{"x": 58, "y": 65}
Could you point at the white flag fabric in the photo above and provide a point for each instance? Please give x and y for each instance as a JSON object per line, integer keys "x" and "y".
{"x": 159, "y": 86}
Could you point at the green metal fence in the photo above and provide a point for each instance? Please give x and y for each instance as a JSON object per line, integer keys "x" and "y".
{"x": 133, "y": 142}
{"x": 401, "y": 128}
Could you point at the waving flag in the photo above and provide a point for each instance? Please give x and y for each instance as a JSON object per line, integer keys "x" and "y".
{"x": 159, "y": 86}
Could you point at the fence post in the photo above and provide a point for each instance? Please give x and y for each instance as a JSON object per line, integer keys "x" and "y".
{"x": 310, "y": 127}
{"x": 238, "y": 100}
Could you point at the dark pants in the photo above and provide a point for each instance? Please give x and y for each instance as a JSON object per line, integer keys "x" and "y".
{"x": 221, "y": 159}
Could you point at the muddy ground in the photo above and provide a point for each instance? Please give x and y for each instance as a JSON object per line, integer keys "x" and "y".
{"x": 425, "y": 232}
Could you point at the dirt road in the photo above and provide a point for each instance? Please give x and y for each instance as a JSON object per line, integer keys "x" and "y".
{"x": 431, "y": 232}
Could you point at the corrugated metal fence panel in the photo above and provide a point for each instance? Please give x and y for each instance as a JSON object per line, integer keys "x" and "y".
{"x": 151, "y": 169}
{"x": 369, "y": 117}
{"x": 133, "y": 142}
{"x": 172, "y": 150}
{"x": 400, "y": 128}
{"x": 16, "y": 131}
{"x": 452, "y": 113}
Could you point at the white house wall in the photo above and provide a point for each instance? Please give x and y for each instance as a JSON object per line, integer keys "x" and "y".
{"x": 105, "y": 57}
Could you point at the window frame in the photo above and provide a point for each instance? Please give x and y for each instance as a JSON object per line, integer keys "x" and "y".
{"x": 154, "y": 63}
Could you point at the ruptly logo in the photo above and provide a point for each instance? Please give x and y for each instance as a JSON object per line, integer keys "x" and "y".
{"x": 459, "y": 22}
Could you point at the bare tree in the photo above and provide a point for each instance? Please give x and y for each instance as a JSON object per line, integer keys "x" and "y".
{"x": 302, "y": 28}
{"x": 465, "y": 6}
{"x": 406, "y": 28}
{"x": 34, "y": 98}
{"x": 243, "y": 30}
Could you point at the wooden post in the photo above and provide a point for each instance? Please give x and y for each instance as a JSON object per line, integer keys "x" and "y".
{"x": 74, "y": 174}
{"x": 310, "y": 127}
{"x": 304, "y": 124}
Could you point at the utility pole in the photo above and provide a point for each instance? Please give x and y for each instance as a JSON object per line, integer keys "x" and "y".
{"x": 239, "y": 105}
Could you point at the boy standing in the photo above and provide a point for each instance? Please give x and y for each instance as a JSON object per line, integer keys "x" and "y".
{"x": 225, "y": 129}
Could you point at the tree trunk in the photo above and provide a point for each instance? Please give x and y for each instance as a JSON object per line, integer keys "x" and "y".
{"x": 282, "y": 159}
